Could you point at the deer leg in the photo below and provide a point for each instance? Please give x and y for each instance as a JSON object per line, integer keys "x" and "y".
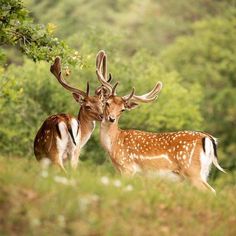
{"x": 75, "y": 158}
{"x": 127, "y": 173}
{"x": 58, "y": 160}
{"x": 197, "y": 183}
{"x": 208, "y": 186}
{"x": 201, "y": 184}
{"x": 60, "y": 164}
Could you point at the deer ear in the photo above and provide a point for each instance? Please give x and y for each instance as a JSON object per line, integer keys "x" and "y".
{"x": 130, "y": 105}
{"x": 78, "y": 98}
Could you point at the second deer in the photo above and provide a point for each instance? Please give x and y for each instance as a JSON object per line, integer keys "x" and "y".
{"x": 188, "y": 154}
{"x": 63, "y": 135}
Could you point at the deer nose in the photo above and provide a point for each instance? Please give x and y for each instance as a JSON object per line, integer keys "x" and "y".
{"x": 111, "y": 119}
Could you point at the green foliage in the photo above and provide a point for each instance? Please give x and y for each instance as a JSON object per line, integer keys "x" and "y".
{"x": 36, "y": 200}
{"x": 28, "y": 95}
{"x": 139, "y": 24}
{"x": 165, "y": 113}
{"x": 189, "y": 45}
{"x": 208, "y": 57}
{"x": 34, "y": 40}
{"x": 186, "y": 44}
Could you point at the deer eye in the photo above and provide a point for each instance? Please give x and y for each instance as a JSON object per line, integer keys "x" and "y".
{"x": 123, "y": 110}
{"x": 107, "y": 104}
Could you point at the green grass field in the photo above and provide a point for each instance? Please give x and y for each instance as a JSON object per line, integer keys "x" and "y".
{"x": 94, "y": 200}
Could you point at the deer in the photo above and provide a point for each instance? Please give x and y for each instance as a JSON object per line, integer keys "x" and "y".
{"x": 184, "y": 154}
{"x": 62, "y": 135}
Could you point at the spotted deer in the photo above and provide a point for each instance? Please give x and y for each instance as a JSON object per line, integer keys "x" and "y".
{"x": 62, "y": 134}
{"x": 187, "y": 154}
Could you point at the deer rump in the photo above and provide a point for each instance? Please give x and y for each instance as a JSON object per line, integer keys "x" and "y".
{"x": 60, "y": 133}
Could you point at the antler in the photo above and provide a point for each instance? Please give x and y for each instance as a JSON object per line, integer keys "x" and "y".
{"x": 56, "y": 71}
{"x": 148, "y": 97}
{"x": 101, "y": 71}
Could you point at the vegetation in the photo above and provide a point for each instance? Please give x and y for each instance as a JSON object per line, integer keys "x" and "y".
{"x": 188, "y": 52}
{"x": 94, "y": 201}
{"x": 34, "y": 40}
{"x": 207, "y": 57}
{"x": 186, "y": 44}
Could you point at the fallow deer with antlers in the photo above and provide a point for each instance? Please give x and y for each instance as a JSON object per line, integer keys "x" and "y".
{"x": 188, "y": 154}
{"x": 62, "y": 134}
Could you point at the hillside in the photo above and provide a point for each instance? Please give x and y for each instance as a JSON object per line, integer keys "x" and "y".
{"x": 37, "y": 200}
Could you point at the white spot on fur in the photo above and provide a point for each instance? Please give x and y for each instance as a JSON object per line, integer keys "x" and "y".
{"x": 164, "y": 156}
{"x": 191, "y": 153}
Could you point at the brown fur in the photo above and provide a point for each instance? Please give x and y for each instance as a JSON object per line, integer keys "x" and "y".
{"x": 130, "y": 150}
{"x": 45, "y": 143}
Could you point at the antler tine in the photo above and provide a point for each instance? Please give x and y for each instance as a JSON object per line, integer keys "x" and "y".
{"x": 102, "y": 87}
{"x": 114, "y": 89}
{"x": 101, "y": 70}
{"x": 104, "y": 67}
{"x": 56, "y": 71}
{"x": 87, "y": 90}
{"x": 148, "y": 97}
{"x": 102, "y": 81}
{"x": 143, "y": 100}
{"x": 110, "y": 78}
{"x": 99, "y": 58}
{"x": 129, "y": 96}
{"x": 153, "y": 93}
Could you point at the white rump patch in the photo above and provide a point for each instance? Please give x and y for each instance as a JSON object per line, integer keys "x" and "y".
{"x": 63, "y": 141}
{"x": 206, "y": 159}
{"x": 75, "y": 127}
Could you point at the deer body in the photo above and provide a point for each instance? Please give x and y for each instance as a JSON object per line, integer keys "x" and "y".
{"x": 188, "y": 154}
{"x": 63, "y": 135}
{"x": 57, "y": 138}
{"x": 134, "y": 151}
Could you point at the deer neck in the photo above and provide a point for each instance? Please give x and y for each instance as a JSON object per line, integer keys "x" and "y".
{"x": 87, "y": 125}
{"x": 109, "y": 133}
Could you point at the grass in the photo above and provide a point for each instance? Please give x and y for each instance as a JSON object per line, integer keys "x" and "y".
{"x": 37, "y": 200}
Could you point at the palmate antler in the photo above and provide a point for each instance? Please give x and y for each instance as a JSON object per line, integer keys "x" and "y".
{"x": 56, "y": 71}
{"x": 101, "y": 71}
{"x": 145, "y": 98}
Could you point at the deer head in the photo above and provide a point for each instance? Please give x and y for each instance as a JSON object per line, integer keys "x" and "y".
{"x": 91, "y": 105}
{"x": 115, "y": 105}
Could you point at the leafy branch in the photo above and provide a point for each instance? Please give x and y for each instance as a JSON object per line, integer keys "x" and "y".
{"x": 36, "y": 41}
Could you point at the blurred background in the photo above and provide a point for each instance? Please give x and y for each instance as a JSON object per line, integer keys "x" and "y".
{"x": 188, "y": 45}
